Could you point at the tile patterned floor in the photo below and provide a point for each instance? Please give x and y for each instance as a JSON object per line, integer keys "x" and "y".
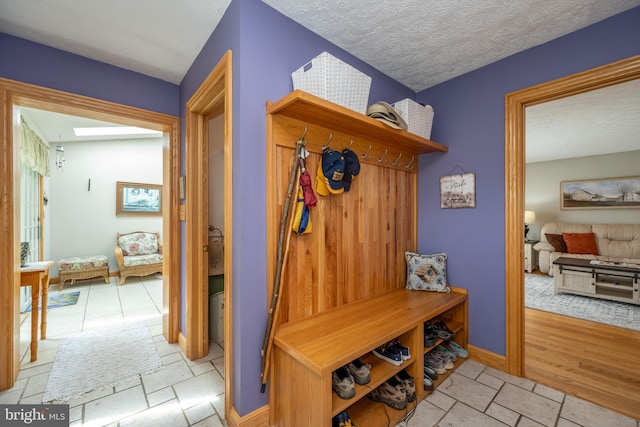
{"x": 191, "y": 393}
{"x": 181, "y": 393}
{"x": 479, "y": 396}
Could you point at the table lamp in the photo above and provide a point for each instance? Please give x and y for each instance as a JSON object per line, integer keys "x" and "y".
{"x": 529, "y": 218}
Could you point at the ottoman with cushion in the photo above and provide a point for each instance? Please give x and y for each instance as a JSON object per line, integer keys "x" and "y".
{"x": 83, "y": 267}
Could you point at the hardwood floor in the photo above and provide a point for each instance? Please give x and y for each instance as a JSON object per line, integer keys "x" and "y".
{"x": 595, "y": 362}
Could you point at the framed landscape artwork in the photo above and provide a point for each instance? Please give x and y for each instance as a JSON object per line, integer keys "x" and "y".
{"x": 138, "y": 199}
{"x": 607, "y": 193}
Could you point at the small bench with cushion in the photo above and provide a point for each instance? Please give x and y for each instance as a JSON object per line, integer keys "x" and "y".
{"x": 83, "y": 267}
{"x": 138, "y": 254}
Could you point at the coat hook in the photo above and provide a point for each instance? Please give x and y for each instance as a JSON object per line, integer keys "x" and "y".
{"x": 302, "y": 140}
{"x": 365, "y": 156}
{"x": 350, "y": 144}
{"x": 381, "y": 159}
{"x": 411, "y": 161}
{"x": 328, "y": 144}
{"x": 397, "y": 161}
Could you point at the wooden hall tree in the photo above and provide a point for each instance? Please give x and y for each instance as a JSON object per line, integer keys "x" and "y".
{"x": 354, "y": 258}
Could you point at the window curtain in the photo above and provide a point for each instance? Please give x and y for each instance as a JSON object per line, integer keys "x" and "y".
{"x": 35, "y": 152}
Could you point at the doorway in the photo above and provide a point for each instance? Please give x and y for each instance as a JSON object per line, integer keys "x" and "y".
{"x": 212, "y": 100}
{"x": 16, "y": 94}
{"x": 618, "y": 72}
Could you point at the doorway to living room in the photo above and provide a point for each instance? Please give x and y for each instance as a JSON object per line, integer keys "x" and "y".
{"x": 584, "y": 340}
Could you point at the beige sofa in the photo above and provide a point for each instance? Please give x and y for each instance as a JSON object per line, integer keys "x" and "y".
{"x": 615, "y": 242}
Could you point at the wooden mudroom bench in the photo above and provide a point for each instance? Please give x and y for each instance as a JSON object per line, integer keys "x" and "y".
{"x": 308, "y": 350}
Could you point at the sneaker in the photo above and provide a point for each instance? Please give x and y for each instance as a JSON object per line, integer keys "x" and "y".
{"x": 390, "y": 392}
{"x": 428, "y": 383}
{"x": 430, "y": 335}
{"x": 443, "y": 331}
{"x": 388, "y": 353}
{"x": 360, "y": 371}
{"x": 342, "y": 420}
{"x": 456, "y": 348}
{"x": 342, "y": 383}
{"x": 430, "y": 372}
{"x": 408, "y": 383}
{"x": 404, "y": 351}
{"x": 446, "y": 358}
{"x": 452, "y": 354}
{"x": 435, "y": 361}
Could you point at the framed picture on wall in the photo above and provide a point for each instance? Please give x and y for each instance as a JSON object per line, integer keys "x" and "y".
{"x": 138, "y": 199}
{"x": 458, "y": 191}
{"x": 607, "y": 193}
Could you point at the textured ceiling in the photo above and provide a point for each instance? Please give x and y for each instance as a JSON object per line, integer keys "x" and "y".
{"x": 421, "y": 43}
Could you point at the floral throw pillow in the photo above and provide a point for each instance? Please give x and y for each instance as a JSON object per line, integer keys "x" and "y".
{"x": 427, "y": 272}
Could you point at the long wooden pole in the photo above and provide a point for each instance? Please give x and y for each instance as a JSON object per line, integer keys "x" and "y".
{"x": 283, "y": 248}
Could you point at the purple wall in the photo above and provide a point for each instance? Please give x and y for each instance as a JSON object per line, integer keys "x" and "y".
{"x": 469, "y": 119}
{"x": 267, "y": 47}
{"x": 224, "y": 38}
{"x": 33, "y": 63}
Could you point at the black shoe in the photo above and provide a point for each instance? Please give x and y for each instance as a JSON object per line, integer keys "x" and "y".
{"x": 443, "y": 331}
{"x": 388, "y": 353}
{"x": 342, "y": 420}
{"x": 428, "y": 382}
{"x": 430, "y": 335}
{"x": 430, "y": 372}
{"x": 404, "y": 351}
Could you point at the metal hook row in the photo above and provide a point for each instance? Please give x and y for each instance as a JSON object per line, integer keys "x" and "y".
{"x": 396, "y": 162}
{"x": 365, "y": 156}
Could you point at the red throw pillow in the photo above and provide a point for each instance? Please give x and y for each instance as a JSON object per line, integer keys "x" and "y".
{"x": 580, "y": 243}
{"x": 557, "y": 242}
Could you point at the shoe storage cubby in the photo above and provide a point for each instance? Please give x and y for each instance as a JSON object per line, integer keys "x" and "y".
{"x": 307, "y": 352}
{"x": 381, "y": 371}
{"x": 343, "y": 290}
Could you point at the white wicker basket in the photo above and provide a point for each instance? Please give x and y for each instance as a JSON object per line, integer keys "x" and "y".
{"x": 419, "y": 117}
{"x": 328, "y": 77}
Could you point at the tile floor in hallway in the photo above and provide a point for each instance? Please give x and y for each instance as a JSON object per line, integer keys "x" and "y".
{"x": 190, "y": 393}
{"x": 181, "y": 393}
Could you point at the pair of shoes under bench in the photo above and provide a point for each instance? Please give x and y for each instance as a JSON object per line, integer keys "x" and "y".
{"x": 394, "y": 353}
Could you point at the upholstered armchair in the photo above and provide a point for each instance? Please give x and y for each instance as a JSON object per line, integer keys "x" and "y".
{"x": 138, "y": 254}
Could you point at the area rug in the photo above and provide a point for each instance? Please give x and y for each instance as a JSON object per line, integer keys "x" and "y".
{"x": 100, "y": 358}
{"x": 59, "y": 300}
{"x": 539, "y": 295}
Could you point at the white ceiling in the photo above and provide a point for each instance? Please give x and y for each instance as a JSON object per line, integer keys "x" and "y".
{"x": 58, "y": 128}
{"x": 601, "y": 121}
{"x": 419, "y": 43}
{"x": 159, "y": 38}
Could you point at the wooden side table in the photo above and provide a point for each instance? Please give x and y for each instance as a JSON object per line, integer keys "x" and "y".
{"x": 36, "y": 275}
{"x": 530, "y": 256}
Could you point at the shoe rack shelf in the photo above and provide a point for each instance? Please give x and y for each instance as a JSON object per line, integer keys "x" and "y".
{"x": 308, "y": 350}
{"x": 380, "y": 372}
